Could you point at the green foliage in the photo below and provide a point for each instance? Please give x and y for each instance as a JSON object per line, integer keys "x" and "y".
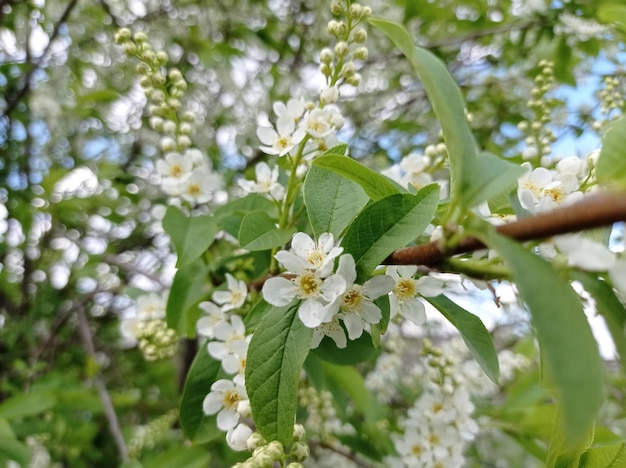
{"x": 259, "y": 232}
{"x": 375, "y": 185}
{"x": 332, "y": 201}
{"x": 611, "y": 169}
{"x": 191, "y": 236}
{"x": 277, "y": 351}
{"x": 189, "y": 287}
{"x": 387, "y": 225}
{"x": 474, "y": 333}
{"x": 569, "y": 350}
{"x": 199, "y": 427}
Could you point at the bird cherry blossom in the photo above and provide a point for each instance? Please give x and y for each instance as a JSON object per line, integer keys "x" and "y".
{"x": 234, "y": 297}
{"x": 224, "y": 399}
{"x": 404, "y": 298}
{"x": 266, "y": 182}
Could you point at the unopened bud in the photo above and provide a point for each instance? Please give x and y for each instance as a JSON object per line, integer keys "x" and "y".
{"x": 336, "y": 7}
{"x": 360, "y": 35}
{"x": 342, "y": 49}
{"x": 355, "y": 11}
{"x": 361, "y": 53}
{"x": 141, "y": 37}
{"x": 162, "y": 57}
{"x": 326, "y": 56}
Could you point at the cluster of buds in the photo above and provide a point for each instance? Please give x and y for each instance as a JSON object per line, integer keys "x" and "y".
{"x": 611, "y": 98}
{"x": 146, "y": 437}
{"x": 156, "y": 340}
{"x": 538, "y": 136}
{"x": 338, "y": 65}
{"x": 264, "y": 455}
{"x": 164, "y": 87}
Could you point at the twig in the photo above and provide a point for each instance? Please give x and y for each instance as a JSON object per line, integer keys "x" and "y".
{"x": 107, "y": 404}
{"x": 594, "y": 211}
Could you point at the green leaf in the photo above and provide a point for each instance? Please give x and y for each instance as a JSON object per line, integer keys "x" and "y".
{"x": 277, "y": 351}
{"x": 610, "y": 456}
{"x": 611, "y": 168}
{"x": 231, "y": 215}
{"x": 352, "y": 382}
{"x": 473, "y": 332}
{"x": 612, "y": 13}
{"x": 491, "y": 177}
{"x": 191, "y": 235}
{"x": 567, "y": 345}
{"x": 359, "y": 350}
{"x": 27, "y": 404}
{"x": 332, "y": 201}
{"x": 561, "y": 454}
{"x": 204, "y": 371}
{"x": 445, "y": 97}
{"x": 188, "y": 288}
{"x": 10, "y": 447}
{"x": 189, "y": 457}
{"x": 259, "y": 232}
{"x": 376, "y": 186}
{"x": 609, "y": 307}
{"x": 387, "y": 225}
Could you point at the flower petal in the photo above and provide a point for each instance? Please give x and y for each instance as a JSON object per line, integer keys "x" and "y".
{"x": 278, "y": 291}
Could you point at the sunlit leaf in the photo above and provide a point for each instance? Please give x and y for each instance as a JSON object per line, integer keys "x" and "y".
{"x": 375, "y": 185}
{"x": 332, "y": 201}
{"x": 387, "y": 225}
{"x": 611, "y": 168}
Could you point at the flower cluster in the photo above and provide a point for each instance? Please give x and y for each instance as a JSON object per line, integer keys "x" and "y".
{"x": 326, "y": 296}
{"x": 228, "y": 344}
{"x": 147, "y": 436}
{"x": 186, "y": 171}
{"x": 265, "y": 454}
{"x": 416, "y": 169}
{"x": 439, "y": 425}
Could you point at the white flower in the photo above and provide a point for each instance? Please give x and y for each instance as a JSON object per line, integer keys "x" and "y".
{"x": 232, "y": 339}
{"x": 200, "y": 186}
{"x": 234, "y": 297}
{"x": 315, "y": 292}
{"x": 332, "y": 329}
{"x": 318, "y": 123}
{"x": 224, "y": 397}
{"x": 405, "y": 295}
{"x": 213, "y": 316}
{"x": 266, "y": 182}
{"x": 175, "y": 168}
{"x": 584, "y": 253}
{"x": 289, "y": 114}
{"x": 356, "y": 302}
{"x": 237, "y": 437}
{"x": 151, "y": 307}
{"x": 541, "y": 190}
{"x": 281, "y": 140}
{"x": 306, "y": 254}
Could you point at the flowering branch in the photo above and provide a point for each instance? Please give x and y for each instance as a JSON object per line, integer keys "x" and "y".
{"x": 595, "y": 211}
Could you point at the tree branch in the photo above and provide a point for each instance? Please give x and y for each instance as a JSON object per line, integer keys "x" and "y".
{"x": 109, "y": 410}
{"x": 594, "y": 211}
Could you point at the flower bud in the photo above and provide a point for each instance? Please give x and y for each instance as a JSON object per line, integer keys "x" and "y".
{"x": 146, "y": 83}
{"x": 184, "y": 141}
{"x": 161, "y": 57}
{"x": 189, "y": 116}
{"x": 336, "y": 7}
{"x": 141, "y": 37}
{"x": 300, "y": 451}
{"x": 142, "y": 69}
{"x": 325, "y": 70}
{"x": 169, "y": 126}
{"x": 341, "y": 29}
{"x": 122, "y": 36}
{"x": 360, "y": 35}
{"x": 185, "y": 129}
{"x": 167, "y": 144}
{"x": 355, "y": 11}
{"x": 348, "y": 69}
{"x": 156, "y": 123}
{"x": 173, "y": 103}
{"x": 329, "y": 95}
{"x": 298, "y": 432}
{"x": 129, "y": 48}
{"x": 361, "y": 53}
{"x": 326, "y": 56}
{"x": 354, "y": 80}
{"x": 254, "y": 441}
{"x": 341, "y": 49}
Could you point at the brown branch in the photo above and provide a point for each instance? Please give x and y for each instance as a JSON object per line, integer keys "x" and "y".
{"x": 594, "y": 211}
{"x": 105, "y": 398}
